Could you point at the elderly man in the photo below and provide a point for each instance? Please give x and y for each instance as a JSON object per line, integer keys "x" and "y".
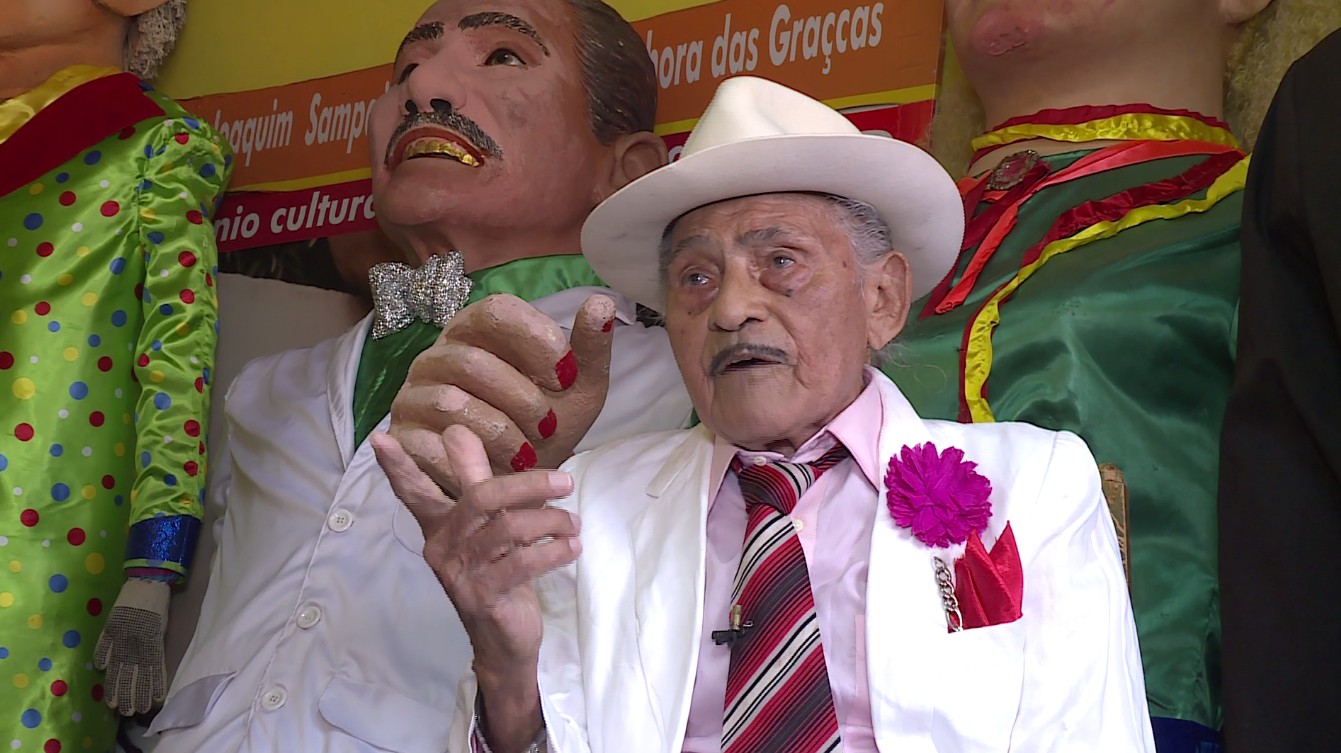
{"x": 814, "y": 568}
{"x": 506, "y": 123}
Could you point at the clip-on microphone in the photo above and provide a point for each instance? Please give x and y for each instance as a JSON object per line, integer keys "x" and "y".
{"x": 736, "y": 631}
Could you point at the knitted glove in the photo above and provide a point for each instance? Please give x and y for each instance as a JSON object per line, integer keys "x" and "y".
{"x": 130, "y": 648}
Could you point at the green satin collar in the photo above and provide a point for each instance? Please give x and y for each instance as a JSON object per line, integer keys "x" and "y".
{"x": 384, "y": 363}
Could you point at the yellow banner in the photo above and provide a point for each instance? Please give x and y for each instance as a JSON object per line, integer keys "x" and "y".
{"x": 291, "y": 88}
{"x": 237, "y": 45}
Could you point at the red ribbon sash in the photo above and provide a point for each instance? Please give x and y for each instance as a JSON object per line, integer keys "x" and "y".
{"x": 83, "y": 117}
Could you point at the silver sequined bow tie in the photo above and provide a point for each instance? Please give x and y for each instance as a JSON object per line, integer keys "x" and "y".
{"x": 432, "y": 292}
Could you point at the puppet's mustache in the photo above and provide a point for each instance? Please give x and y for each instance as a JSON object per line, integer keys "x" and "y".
{"x": 445, "y": 117}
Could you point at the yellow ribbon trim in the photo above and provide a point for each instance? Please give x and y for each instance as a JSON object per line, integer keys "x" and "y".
{"x": 978, "y": 359}
{"x": 299, "y": 184}
{"x": 1134, "y": 126}
{"x": 17, "y": 111}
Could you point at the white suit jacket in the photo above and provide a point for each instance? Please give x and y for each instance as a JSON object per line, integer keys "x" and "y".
{"x": 622, "y": 624}
{"x": 323, "y": 629}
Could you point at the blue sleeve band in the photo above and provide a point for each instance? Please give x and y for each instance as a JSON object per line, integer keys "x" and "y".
{"x": 164, "y": 541}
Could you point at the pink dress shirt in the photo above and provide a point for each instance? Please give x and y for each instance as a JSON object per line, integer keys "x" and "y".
{"x": 833, "y": 522}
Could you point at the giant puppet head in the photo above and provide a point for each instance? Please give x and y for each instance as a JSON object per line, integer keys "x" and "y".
{"x": 1222, "y": 58}
{"x": 506, "y": 123}
{"x": 40, "y": 37}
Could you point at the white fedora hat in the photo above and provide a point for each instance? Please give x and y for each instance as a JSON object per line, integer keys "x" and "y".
{"x": 759, "y": 137}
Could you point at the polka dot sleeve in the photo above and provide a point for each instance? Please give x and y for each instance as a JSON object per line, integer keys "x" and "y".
{"x": 184, "y": 172}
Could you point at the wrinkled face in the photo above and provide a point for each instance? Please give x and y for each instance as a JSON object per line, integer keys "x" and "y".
{"x": 486, "y": 122}
{"x": 984, "y": 30}
{"x": 770, "y": 315}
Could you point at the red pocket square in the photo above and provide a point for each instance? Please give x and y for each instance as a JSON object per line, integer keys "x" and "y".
{"x": 989, "y": 587}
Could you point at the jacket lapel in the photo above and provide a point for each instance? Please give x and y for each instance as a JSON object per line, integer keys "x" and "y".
{"x": 903, "y": 607}
{"x": 670, "y": 541}
{"x": 340, "y": 373}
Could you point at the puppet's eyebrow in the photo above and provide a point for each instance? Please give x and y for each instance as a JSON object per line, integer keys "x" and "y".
{"x": 506, "y": 20}
{"x": 420, "y": 33}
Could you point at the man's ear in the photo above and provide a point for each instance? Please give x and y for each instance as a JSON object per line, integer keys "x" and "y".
{"x": 635, "y": 155}
{"x": 130, "y": 8}
{"x": 889, "y": 295}
{"x": 1236, "y": 12}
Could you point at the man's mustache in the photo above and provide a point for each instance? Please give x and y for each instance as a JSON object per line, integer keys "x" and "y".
{"x": 452, "y": 121}
{"x": 741, "y": 351}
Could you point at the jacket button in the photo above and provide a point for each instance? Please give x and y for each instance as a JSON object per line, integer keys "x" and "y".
{"x": 309, "y": 616}
{"x": 274, "y": 699}
{"x": 340, "y": 521}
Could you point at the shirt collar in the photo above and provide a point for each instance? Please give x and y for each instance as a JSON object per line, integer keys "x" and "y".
{"x": 857, "y": 427}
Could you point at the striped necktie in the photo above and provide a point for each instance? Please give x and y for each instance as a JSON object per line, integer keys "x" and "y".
{"x": 778, "y": 698}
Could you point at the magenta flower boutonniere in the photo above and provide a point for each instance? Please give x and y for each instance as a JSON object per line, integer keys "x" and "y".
{"x": 939, "y": 496}
{"x": 944, "y": 501}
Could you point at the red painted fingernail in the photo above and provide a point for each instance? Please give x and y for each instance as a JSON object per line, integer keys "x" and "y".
{"x": 525, "y": 458}
{"x": 548, "y": 424}
{"x": 566, "y": 370}
{"x": 608, "y": 326}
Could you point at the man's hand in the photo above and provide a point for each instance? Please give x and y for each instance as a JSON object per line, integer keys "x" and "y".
{"x": 130, "y": 648}
{"x": 505, "y": 371}
{"x": 486, "y": 550}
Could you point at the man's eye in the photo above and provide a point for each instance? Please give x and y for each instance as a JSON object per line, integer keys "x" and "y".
{"x": 504, "y": 57}
{"x": 405, "y": 74}
{"x": 782, "y": 262}
{"x": 695, "y": 279}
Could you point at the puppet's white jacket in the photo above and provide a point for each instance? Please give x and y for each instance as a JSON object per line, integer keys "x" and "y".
{"x": 622, "y": 624}
{"x": 323, "y": 629}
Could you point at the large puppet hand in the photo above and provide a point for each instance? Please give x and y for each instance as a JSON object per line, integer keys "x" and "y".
{"x": 487, "y": 549}
{"x": 130, "y": 648}
{"x": 505, "y": 371}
